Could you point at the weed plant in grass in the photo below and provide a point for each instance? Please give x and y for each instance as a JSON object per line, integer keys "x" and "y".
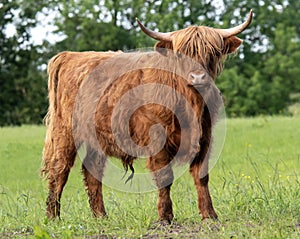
{"x": 255, "y": 187}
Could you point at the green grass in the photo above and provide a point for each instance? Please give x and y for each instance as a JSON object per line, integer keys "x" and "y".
{"x": 255, "y": 187}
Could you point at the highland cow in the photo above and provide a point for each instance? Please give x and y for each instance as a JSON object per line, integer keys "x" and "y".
{"x": 173, "y": 87}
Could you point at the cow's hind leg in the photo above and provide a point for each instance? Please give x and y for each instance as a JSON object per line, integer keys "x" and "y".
{"x": 199, "y": 171}
{"x": 58, "y": 166}
{"x": 92, "y": 170}
{"x": 161, "y": 168}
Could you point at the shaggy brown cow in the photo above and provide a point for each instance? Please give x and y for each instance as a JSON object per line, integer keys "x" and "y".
{"x": 173, "y": 87}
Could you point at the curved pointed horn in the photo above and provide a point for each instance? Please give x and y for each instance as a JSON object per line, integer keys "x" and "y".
{"x": 236, "y": 30}
{"x": 155, "y": 35}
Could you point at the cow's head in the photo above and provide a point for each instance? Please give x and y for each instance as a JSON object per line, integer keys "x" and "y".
{"x": 208, "y": 46}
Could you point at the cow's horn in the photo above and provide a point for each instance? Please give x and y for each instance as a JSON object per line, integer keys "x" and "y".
{"x": 161, "y": 36}
{"x": 236, "y": 30}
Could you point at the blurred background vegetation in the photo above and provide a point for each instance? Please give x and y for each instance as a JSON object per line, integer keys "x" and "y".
{"x": 263, "y": 78}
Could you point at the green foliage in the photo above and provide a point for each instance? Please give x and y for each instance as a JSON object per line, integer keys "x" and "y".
{"x": 266, "y": 68}
{"x": 22, "y": 84}
{"x": 260, "y": 79}
{"x": 40, "y": 233}
{"x": 84, "y": 28}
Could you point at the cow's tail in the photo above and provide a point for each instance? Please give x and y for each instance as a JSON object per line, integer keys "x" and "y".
{"x": 54, "y": 66}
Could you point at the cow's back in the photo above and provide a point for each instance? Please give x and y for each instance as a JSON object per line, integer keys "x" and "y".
{"x": 66, "y": 71}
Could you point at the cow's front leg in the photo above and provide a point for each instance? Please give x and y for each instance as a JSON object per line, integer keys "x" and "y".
{"x": 163, "y": 176}
{"x": 204, "y": 200}
{"x": 199, "y": 171}
{"x": 165, "y": 210}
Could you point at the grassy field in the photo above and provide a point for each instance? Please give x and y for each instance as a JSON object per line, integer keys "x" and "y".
{"x": 255, "y": 187}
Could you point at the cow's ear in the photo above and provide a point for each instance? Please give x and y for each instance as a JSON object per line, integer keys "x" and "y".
{"x": 231, "y": 44}
{"x": 163, "y": 46}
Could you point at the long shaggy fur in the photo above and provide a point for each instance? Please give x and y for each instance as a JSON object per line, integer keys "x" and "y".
{"x": 85, "y": 88}
{"x": 72, "y": 68}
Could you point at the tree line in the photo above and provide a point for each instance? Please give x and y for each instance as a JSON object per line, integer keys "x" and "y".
{"x": 263, "y": 78}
